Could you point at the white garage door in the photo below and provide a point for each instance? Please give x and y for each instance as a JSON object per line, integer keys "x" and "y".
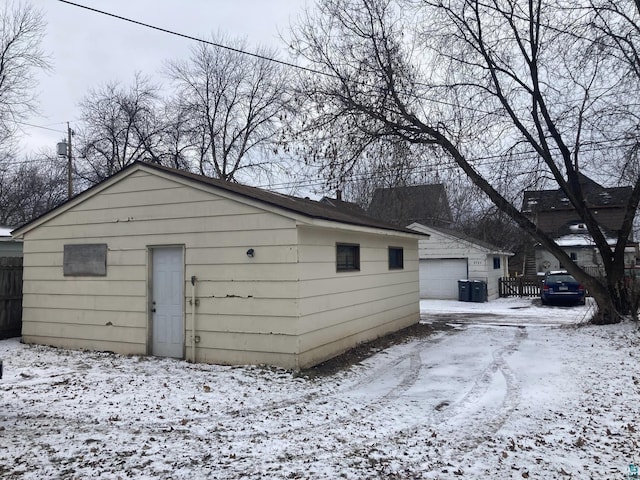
{"x": 439, "y": 277}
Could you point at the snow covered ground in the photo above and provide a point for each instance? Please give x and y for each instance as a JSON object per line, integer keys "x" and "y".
{"x": 502, "y": 390}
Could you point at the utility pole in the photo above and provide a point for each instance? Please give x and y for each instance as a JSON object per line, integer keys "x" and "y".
{"x": 69, "y": 163}
{"x": 64, "y": 150}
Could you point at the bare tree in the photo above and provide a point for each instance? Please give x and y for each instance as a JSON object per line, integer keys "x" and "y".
{"x": 234, "y": 104}
{"x": 121, "y": 125}
{"x": 177, "y": 136}
{"x": 30, "y": 188}
{"x": 384, "y": 165}
{"x": 614, "y": 30}
{"x": 21, "y": 32}
{"x": 503, "y": 88}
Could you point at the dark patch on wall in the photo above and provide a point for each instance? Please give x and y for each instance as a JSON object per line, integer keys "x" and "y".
{"x": 85, "y": 260}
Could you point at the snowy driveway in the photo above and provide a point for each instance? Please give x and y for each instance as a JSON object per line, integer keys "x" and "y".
{"x": 500, "y": 390}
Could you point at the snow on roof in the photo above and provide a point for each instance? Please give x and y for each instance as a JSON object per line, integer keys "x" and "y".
{"x": 5, "y": 231}
{"x": 580, "y": 240}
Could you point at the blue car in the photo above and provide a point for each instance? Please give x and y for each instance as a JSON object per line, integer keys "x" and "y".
{"x": 560, "y": 287}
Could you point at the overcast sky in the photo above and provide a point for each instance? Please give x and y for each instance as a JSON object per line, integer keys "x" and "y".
{"x": 88, "y": 49}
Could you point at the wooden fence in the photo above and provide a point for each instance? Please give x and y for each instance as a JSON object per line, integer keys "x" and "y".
{"x": 10, "y": 296}
{"x": 519, "y": 286}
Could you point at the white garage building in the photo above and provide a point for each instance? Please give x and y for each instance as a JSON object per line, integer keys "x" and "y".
{"x": 447, "y": 256}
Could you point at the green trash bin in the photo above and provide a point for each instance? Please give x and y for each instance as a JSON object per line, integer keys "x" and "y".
{"x": 478, "y": 291}
{"x": 464, "y": 291}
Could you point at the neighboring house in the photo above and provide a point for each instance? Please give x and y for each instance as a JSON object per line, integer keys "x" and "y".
{"x": 274, "y": 279}
{"x": 448, "y": 256}
{"x": 552, "y": 212}
{"x": 579, "y": 245}
{"x": 9, "y": 246}
{"x": 423, "y": 204}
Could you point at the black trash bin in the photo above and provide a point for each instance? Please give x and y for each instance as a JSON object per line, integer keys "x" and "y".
{"x": 478, "y": 291}
{"x": 464, "y": 291}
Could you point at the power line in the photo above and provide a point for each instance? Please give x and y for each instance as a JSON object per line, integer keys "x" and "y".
{"x": 41, "y": 126}
{"x": 479, "y": 161}
{"x": 190, "y": 37}
{"x": 274, "y": 60}
{"x": 255, "y": 55}
{"x": 485, "y": 161}
{"x": 58, "y": 123}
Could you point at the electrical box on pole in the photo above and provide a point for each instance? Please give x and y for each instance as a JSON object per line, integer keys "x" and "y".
{"x": 64, "y": 150}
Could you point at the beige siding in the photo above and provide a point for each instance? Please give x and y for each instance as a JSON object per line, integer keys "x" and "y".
{"x": 245, "y": 304}
{"x": 321, "y": 353}
{"x": 196, "y": 240}
{"x": 338, "y": 310}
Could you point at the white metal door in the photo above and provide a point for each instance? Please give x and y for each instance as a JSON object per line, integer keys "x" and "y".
{"x": 167, "y": 328}
{"x": 439, "y": 277}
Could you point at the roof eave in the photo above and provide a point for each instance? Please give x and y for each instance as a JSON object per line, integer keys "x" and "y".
{"x": 331, "y": 224}
{"x": 482, "y": 248}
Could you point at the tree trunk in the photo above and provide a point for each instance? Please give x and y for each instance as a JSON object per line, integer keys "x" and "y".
{"x": 615, "y": 298}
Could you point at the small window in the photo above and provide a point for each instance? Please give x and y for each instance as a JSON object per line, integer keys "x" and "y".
{"x": 396, "y": 258}
{"x": 574, "y": 256}
{"x": 496, "y": 263}
{"x": 347, "y": 257}
{"x": 85, "y": 260}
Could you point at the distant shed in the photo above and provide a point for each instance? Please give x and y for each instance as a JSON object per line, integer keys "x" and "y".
{"x": 447, "y": 256}
{"x": 9, "y": 246}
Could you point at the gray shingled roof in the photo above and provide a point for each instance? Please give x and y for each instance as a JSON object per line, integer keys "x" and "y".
{"x": 595, "y": 195}
{"x": 348, "y": 207}
{"x": 424, "y": 204}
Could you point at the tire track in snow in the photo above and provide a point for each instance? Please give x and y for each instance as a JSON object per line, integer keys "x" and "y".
{"x": 401, "y": 381}
{"x": 338, "y": 410}
{"x": 468, "y": 438}
{"x": 342, "y": 414}
{"x": 475, "y": 417}
{"x": 465, "y": 428}
{"x": 343, "y": 418}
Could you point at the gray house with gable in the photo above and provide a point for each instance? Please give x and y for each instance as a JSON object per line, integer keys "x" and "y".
{"x": 553, "y": 213}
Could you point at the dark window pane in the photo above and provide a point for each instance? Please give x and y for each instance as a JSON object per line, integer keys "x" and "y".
{"x": 396, "y": 257}
{"x": 347, "y": 257}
